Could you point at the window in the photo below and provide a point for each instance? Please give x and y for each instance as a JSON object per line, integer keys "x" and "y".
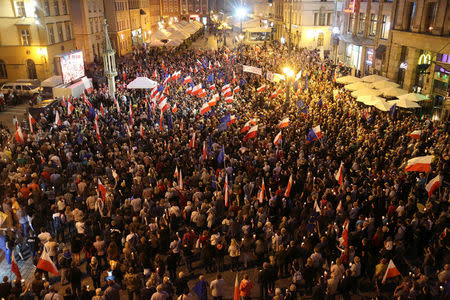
{"x": 92, "y": 26}
{"x": 329, "y": 19}
{"x": 51, "y": 34}
{"x": 25, "y": 33}
{"x": 386, "y": 26}
{"x": 56, "y": 7}
{"x": 321, "y": 19}
{"x": 3, "y": 72}
{"x": 412, "y": 13}
{"x": 60, "y": 33}
{"x": 68, "y": 32}
{"x": 361, "y": 23}
{"x": 46, "y": 9}
{"x": 430, "y": 16}
{"x": 20, "y": 9}
{"x": 320, "y": 39}
{"x": 64, "y": 7}
{"x": 373, "y": 24}
{"x": 351, "y": 22}
{"x": 316, "y": 18}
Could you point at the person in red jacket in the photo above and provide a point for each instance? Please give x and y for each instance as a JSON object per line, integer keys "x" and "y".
{"x": 245, "y": 288}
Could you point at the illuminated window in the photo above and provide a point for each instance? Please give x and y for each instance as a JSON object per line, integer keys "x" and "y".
{"x": 373, "y": 24}
{"x": 46, "y": 9}
{"x": 25, "y": 33}
{"x": 60, "y": 33}
{"x": 3, "y": 72}
{"x": 386, "y": 26}
{"x": 20, "y": 9}
{"x": 320, "y": 38}
{"x": 362, "y": 21}
{"x": 51, "y": 34}
{"x": 56, "y": 7}
{"x": 321, "y": 19}
{"x": 351, "y": 22}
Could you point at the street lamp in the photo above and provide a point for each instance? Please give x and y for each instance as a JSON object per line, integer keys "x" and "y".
{"x": 241, "y": 12}
{"x": 289, "y": 73}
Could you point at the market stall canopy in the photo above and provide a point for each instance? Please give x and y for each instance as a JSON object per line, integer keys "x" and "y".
{"x": 177, "y": 35}
{"x": 369, "y": 100}
{"x": 348, "y": 79}
{"x": 160, "y": 35}
{"x": 413, "y": 97}
{"x": 365, "y": 92}
{"x": 393, "y": 92}
{"x": 174, "y": 43}
{"x": 382, "y": 105}
{"x": 142, "y": 83}
{"x": 373, "y": 78}
{"x": 404, "y": 103}
{"x": 178, "y": 27}
{"x": 357, "y": 86}
{"x": 156, "y": 43}
{"x": 384, "y": 84}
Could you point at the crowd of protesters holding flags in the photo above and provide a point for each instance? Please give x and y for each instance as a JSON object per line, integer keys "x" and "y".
{"x": 216, "y": 171}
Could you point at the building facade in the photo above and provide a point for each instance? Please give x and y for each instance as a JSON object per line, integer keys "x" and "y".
{"x": 170, "y": 9}
{"x": 194, "y": 9}
{"x": 87, "y": 20}
{"x": 155, "y": 14}
{"x": 32, "y": 35}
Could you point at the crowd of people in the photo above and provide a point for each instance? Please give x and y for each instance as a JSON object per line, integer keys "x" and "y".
{"x": 146, "y": 203}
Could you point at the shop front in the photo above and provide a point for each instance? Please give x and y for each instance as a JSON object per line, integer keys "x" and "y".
{"x": 136, "y": 37}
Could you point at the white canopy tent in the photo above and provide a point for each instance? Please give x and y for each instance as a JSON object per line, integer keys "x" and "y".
{"x": 365, "y": 92}
{"x": 356, "y": 86}
{"x": 174, "y": 43}
{"x": 413, "y": 97}
{"x": 393, "y": 92}
{"x": 369, "y": 100}
{"x": 405, "y": 103}
{"x": 373, "y": 78}
{"x": 384, "y": 84}
{"x": 142, "y": 83}
{"x": 160, "y": 34}
{"x": 348, "y": 79}
{"x": 382, "y": 105}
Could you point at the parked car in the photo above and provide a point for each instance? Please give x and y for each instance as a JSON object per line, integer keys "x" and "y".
{"x": 21, "y": 89}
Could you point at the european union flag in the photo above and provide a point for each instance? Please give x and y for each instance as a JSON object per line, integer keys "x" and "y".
{"x": 210, "y": 142}
{"x": 320, "y": 103}
{"x": 161, "y": 88}
{"x": 392, "y": 109}
{"x": 225, "y": 119}
{"x": 79, "y": 139}
{"x": 222, "y": 127}
{"x": 300, "y": 104}
{"x": 170, "y": 123}
{"x": 221, "y": 156}
{"x": 220, "y": 74}
{"x": 242, "y": 82}
{"x": 210, "y": 78}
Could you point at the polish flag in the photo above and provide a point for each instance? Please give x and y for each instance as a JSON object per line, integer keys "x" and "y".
{"x": 205, "y": 153}
{"x": 236, "y": 89}
{"x": 236, "y": 288}
{"x": 339, "y": 207}
{"x": 141, "y": 129}
{"x": 202, "y": 94}
{"x": 391, "y": 272}
{"x": 166, "y": 90}
{"x": 45, "y": 263}
{"x": 210, "y": 66}
{"x": 31, "y": 121}
{"x": 275, "y": 94}
{"x": 97, "y": 130}
{"x": 253, "y": 121}
{"x": 199, "y": 63}
{"x": 339, "y": 176}
{"x": 102, "y": 110}
{"x": 251, "y": 133}
{"x": 70, "y": 108}
{"x": 234, "y": 78}
{"x": 288, "y": 188}
{"x": 205, "y": 108}
{"x": 284, "y": 123}
{"x": 57, "y": 119}
{"x": 155, "y": 74}
{"x": 175, "y": 175}
{"x": 227, "y": 92}
{"x": 174, "y": 108}
{"x": 197, "y": 89}
{"x": 117, "y": 104}
{"x": 192, "y": 142}
{"x": 416, "y": 134}
{"x": 212, "y": 102}
{"x": 316, "y": 207}
{"x": 277, "y": 138}
{"x": 212, "y": 87}
{"x": 154, "y": 92}
{"x": 19, "y": 135}
{"x": 246, "y": 127}
{"x": 163, "y": 106}
{"x": 261, "y": 89}
{"x": 345, "y": 234}
{"x": 262, "y": 192}
{"x": 180, "y": 181}
{"x": 226, "y": 190}
{"x": 229, "y": 99}
{"x": 419, "y": 164}
{"x": 101, "y": 189}
{"x": 15, "y": 266}
{"x": 225, "y": 87}
{"x": 232, "y": 120}
{"x": 434, "y": 183}
{"x": 189, "y": 90}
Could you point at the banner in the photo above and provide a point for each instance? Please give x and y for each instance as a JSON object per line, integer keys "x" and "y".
{"x": 251, "y": 69}
{"x": 278, "y": 77}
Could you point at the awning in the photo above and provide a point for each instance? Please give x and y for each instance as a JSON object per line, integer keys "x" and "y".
{"x": 443, "y": 65}
{"x": 379, "y": 52}
{"x": 356, "y": 40}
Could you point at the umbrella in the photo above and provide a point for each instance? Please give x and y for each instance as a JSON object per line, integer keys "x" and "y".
{"x": 369, "y": 100}
{"x": 142, "y": 83}
{"x": 356, "y": 86}
{"x": 384, "y": 84}
{"x": 413, "y": 97}
{"x": 347, "y": 79}
{"x": 365, "y": 92}
{"x": 405, "y": 103}
{"x": 382, "y": 105}
{"x": 373, "y": 78}
{"x": 393, "y": 92}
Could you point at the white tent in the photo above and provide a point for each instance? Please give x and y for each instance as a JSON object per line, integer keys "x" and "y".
{"x": 365, "y": 92}
{"x": 373, "y": 78}
{"x": 384, "y": 84}
{"x": 393, "y": 92}
{"x": 405, "y": 103}
{"x": 178, "y": 27}
{"x": 413, "y": 97}
{"x": 174, "y": 43}
{"x": 142, "y": 83}
{"x": 382, "y": 105}
{"x": 156, "y": 43}
{"x": 160, "y": 35}
{"x": 369, "y": 100}
{"x": 177, "y": 35}
{"x": 347, "y": 79}
{"x": 356, "y": 86}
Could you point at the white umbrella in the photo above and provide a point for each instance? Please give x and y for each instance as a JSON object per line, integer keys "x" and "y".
{"x": 365, "y": 92}
{"x": 393, "y": 92}
{"x": 413, "y": 97}
{"x": 384, "y": 84}
{"x": 373, "y": 78}
{"x": 142, "y": 83}
{"x": 405, "y": 103}
{"x": 174, "y": 43}
{"x": 356, "y": 86}
{"x": 369, "y": 100}
{"x": 382, "y": 105}
{"x": 348, "y": 79}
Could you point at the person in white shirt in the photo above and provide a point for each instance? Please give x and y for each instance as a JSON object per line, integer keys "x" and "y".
{"x": 217, "y": 286}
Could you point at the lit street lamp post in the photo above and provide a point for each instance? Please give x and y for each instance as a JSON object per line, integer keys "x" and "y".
{"x": 289, "y": 73}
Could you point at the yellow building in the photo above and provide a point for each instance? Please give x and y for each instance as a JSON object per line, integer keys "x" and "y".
{"x": 32, "y": 34}
{"x": 87, "y": 18}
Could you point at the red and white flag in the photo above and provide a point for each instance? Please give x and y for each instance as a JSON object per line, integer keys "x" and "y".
{"x": 31, "y": 121}
{"x": 117, "y": 104}
{"x": 202, "y": 94}
{"x": 232, "y": 120}
{"x": 236, "y": 89}
{"x": 236, "y": 288}
{"x": 205, "y": 153}
{"x": 261, "y": 89}
{"x": 246, "y": 127}
{"x": 15, "y": 266}
{"x": 212, "y": 102}
{"x": 416, "y": 134}
{"x": 101, "y": 189}
{"x": 288, "y": 188}
{"x": 229, "y": 99}
{"x": 339, "y": 207}
{"x": 251, "y": 133}
{"x": 163, "y": 105}
{"x": 344, "y": 240}
{"x": 391, "y": 271}
{"x": 419, "y": 164}
{"x": 339, "y": 176}
{"x": 226, "y": 190}
{"x": 174, "y": 108}
{"x": 197, "y": 89}
{"x": 19, "y": 135}
{"x": 45, "y": 263}
{"x": 284, "y": 123}
{"x": 262, "y": 192}
{"x": 316, "y": 207}
{"x": 225, "y": 87}
{"x": 155, "y": 74}
{"x": 212, "y": 87}
{"x": 175, "y": 174}
{"x": 141, "y": 129}
{"x": 97, "y": 130}
{"x": 187, "y": 79}
{"x": 234, "y": 78}
{"x": 154, "y": 92}
{"x": 227, "y": 92}
{"x": 277, "y": 138}
{"x": 434, "y": 183}
{"x": 192, "y": 142}
{"x": 205, "y": 108}
{"x": 70, "y": 108}
{"x": 180, "y": 181}
{"x": 57, "y": 119}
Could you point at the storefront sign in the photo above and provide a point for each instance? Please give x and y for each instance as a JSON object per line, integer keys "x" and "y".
{"x": 425, "y": 59}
